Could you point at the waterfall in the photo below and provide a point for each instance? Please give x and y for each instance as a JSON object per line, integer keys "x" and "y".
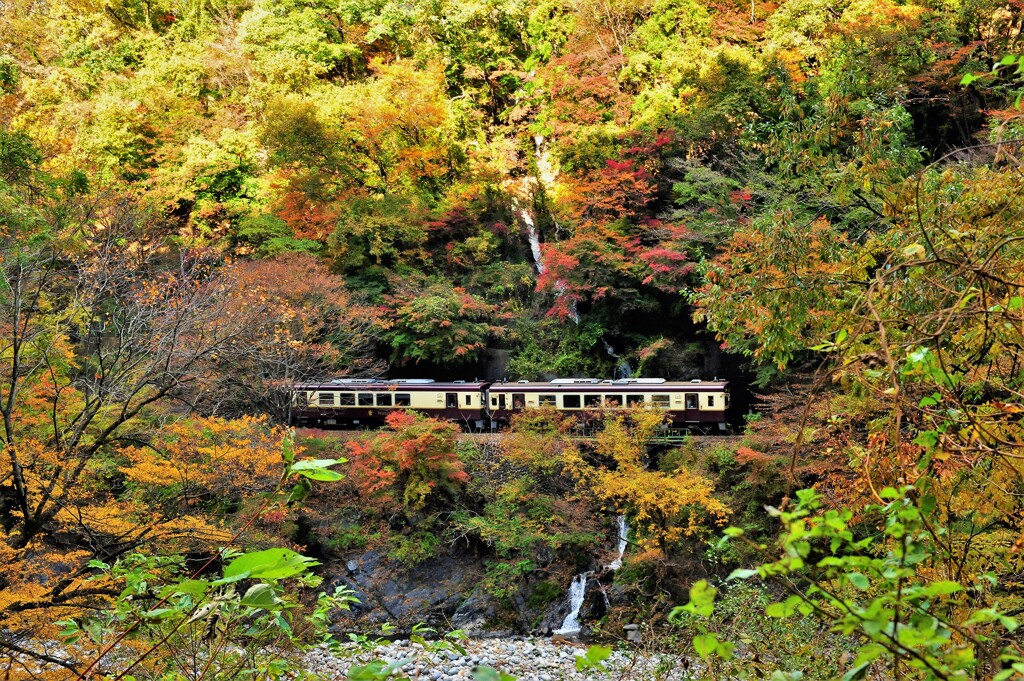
{"x": 622, "y": 368}
{"x": 546, "y": 172}
{"x": 574, "y": 313}
{"x": 545, "y": 176}
{"x": 532, "y": 236}
{"x": 623, "y": 533}
{"x": 577, "y": 590}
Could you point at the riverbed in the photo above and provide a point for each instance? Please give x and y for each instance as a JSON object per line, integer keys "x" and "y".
{"x": 526, "y": 659}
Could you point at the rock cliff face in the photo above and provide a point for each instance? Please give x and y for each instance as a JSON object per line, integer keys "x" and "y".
{"x": 389, "y": 592}
{"x": 446, "y": 593}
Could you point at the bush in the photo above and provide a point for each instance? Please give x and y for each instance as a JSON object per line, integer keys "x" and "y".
{"x": 351, "y": 538}
{"x": 412, "y": 549}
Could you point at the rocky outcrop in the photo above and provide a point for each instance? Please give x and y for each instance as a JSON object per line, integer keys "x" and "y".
{"x": 447, "y": 592}
{"x": 388, "y": 592}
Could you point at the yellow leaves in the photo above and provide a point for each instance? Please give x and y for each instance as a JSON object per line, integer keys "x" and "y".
{"x": 663, "y": 507}
{"x": 207, "y": 457}
{"x": 195, "y": 529}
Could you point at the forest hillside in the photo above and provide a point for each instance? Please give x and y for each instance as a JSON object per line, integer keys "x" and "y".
{"x": 204, "y": 202}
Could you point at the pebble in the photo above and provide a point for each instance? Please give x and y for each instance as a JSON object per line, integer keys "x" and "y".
{"x": 526, "y": 659}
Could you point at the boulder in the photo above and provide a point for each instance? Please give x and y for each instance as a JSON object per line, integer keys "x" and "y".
{"x": 388, "y": 591}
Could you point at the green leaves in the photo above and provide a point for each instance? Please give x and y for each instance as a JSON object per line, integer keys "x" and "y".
{"x": 261, "y": 596}
{"x": 593, "y": 658}
{"x": 317, "y": 469}
{"x": 705, "y": 645}
{"x": 269, "y": 564}
{"x": 376, "y": 670}
{"x": 708, "y": 645}
{"x": 702, "y": 599}
{"x": 485, "y": 673}
{"x": 869, "y": 586}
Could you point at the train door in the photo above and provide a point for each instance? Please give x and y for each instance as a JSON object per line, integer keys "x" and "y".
{"x": 451, "y": 405}
{"x": 692, "y": 405}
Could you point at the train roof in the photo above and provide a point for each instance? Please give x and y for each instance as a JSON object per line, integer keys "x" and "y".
{"x": 395, "y": 384}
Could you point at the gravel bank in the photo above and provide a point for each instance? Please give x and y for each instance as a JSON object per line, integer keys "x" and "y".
{"x": 525, "y": 659}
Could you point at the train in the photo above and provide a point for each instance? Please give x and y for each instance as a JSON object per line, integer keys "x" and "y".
{"x": 490, "y": 405}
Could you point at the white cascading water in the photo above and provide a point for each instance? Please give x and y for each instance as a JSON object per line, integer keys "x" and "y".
{"x": 546, "y": 172}
{"x": 622, "y": 368}
{"x": 528, "y": 186}
{"x": 623, "y": 542}
{"x": 531, "y": 234}
{"x": 577, "y": 590}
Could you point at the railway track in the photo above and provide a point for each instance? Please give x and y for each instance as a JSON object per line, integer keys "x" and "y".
{"x": 670, "y": 437}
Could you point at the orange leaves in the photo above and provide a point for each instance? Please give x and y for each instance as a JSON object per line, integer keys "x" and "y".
{"x": 397, "y": 124}
{"x": 777, "y": 287}
{"x": 746, "y": 455}
{"x": 308, "y": 217}
{"x": 206, "y": 462}
{"x": 409, "y": 465}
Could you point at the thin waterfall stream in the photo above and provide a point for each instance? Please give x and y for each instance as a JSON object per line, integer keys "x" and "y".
{"x": 622, "y": 367}
{"x": 623, "y": 542}
{"x": 577, "y": 590}
{"x": 532, "y": 236}
{"x": 528, "y": 186}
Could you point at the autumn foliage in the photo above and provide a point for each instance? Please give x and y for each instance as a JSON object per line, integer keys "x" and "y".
{"x": 411, "y": 466}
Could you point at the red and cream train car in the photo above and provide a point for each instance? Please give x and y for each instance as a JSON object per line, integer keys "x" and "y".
{"x": 694, "y": 403}
{"x": 363, "y": 401}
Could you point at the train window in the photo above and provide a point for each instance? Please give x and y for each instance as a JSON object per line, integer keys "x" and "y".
{"x": 613, "y": 401}
{"x": 346, "y": 399}
{"x": 302, "y": 399}
{"x": 365, "y": 399}
{"x": 469, "y": 400}
{"x": 726, "y": 400}
{"x": 711, "y": 400}
{"x": 494, "y": 401}
{"x": 451, "y": 400}
{"x": 326, "y": 399}
{"x": 383, "y": 399}
{"x": 634, "y": 399}
{"x": 571, "y": 401}
{"x": 403, "y": 399}
{"x": 660, "y": 401}
{"x": 691, "y": 401}
{"x": 592, "y": 401}
{"x": 518, "y": 400}
{"x": 547, "y": 400}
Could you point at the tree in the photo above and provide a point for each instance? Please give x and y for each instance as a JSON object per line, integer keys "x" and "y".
{"x": 398, "y": 129}
{"x": 92, "y": 352}
{"x": 411, "y": 467}
{"x": 664, "y": 508}
{"x": 778, "y": 286}
{"x": 440, "y": 323}
{"x": 302, "y": 324}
